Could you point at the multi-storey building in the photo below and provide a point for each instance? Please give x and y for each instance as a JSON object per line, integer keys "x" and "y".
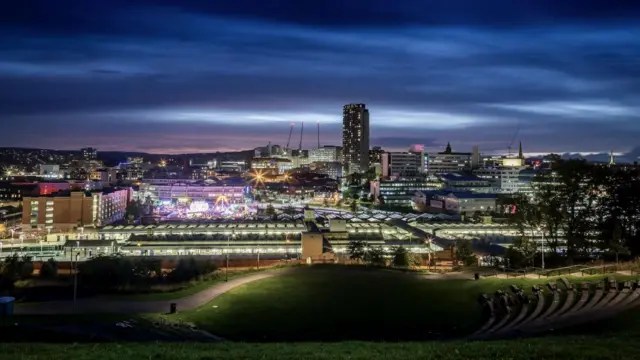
{"x": 65, "y": 210}
{"x": 505, "y": 180}
{"x": 401, "y": 164}
{"x": 327, "y": 153}
{"x": 400, "y": 192}
{"x": 455, "y": 202}
{"x": 448, "y": 161}
{"x": 275, "y": 165}
{"x": 331, "y": 169}
{"x": 89, "y": 154}
{"x": 355, "y": 139}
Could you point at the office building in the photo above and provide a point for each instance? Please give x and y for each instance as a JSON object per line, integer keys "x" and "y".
{"x": 448, "y": 161}
{"x": 466, "y": 182}
{"x": 332, "y": 169}
{"x": 355, "y": 139}
{"x": 375, "y": 155}
{"x": 505, "y": 180}
{"x": 400, "y": 192}
{"x": 401, "y": 165}
{"x": 66, "y": 210}
{"x": 327, "y": 153}
{"x": 454, "y": 202}
{"x": 50, "y": 171}
{"x": 89, "y": 154}
{"x": 272, "y": 165}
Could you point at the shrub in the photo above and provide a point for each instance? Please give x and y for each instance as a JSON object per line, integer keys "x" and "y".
{"x": 49, "y": 269}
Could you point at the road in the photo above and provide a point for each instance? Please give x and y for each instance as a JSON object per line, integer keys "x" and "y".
{"x": 114, "y": 306}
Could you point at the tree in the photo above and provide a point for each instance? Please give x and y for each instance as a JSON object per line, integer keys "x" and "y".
{"x": 375, "y": 256}
{"x": 357, "y": 250}
{"x": 400, "y": 257}
{"x": 49, "y": 269}
{"x": 522, "y": 253}
{"x": 133, "y": 211}
{"x": 464, "y": 252}
{"x": 354, "y": 205}
{"x": 270, "y": 211}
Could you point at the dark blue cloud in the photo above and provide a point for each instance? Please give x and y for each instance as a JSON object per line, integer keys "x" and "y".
{"x": 565, "y": 73}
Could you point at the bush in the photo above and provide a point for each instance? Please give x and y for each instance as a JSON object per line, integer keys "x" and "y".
{"x": 49, "y": 269}
{"x": 189, "y": 269}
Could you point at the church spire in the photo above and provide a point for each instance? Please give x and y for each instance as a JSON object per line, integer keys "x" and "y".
{"x": 612, "y": 159}
{"x": 448, "y": 149}
{"x": 520, "y": 154}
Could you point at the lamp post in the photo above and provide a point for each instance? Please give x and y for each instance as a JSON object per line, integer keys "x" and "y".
{"x": 75, "y": 281}
{"x": 542, "y": 247}
{"x": 226, "y": 268}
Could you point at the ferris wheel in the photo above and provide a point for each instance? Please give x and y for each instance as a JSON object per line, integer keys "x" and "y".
{"x": 222, "y": 201}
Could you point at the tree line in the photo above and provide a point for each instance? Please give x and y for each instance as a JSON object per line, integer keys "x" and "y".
{"x": 110, "y": 273}
{"x": 587, "y": 209}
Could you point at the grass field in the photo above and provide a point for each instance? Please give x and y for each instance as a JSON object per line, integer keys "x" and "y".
{"x": 566, "y": 348}
{"x": 329, "y": 303}
{"x": 335, "y": 303}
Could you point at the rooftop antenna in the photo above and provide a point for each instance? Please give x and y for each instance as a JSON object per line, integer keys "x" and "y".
{"x": 301, "y": 130}
{"x": 318, "y": 134}
{"x": 289, "y": 140}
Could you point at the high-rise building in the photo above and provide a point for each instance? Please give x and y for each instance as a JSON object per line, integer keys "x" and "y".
{"x": 355, "y": 138}
{"x": 89, "y": 154}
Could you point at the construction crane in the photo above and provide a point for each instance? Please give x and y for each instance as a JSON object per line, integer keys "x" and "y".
{"x": 289, "y": 140}
{"x": 318, "y": 134}
{"x": 301, "y": 131}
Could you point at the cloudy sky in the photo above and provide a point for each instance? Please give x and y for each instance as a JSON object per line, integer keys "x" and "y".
{"x": 188, "y": 76}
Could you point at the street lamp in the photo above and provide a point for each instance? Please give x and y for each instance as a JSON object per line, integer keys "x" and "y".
{"x": 542, "y": 246}
{"x": 226, "y": 268}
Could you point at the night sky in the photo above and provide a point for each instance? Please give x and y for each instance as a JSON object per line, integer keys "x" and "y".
{"x": 193, "y": 76}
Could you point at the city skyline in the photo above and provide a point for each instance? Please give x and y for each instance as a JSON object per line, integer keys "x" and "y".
{"x": 157, "y": 77}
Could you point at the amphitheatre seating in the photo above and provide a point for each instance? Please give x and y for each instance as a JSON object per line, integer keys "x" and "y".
{"x": 512, "y": 316}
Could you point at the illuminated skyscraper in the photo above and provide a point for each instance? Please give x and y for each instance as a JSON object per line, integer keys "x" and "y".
{"x": 355, "y": 139}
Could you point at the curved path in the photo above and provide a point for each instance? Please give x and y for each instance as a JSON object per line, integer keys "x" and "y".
{"x": 115, "y": 306}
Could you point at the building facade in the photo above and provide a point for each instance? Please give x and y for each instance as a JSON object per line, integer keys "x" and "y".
{"x": 454, "y": 202}
{"x": 89, "y": 154}
{"x": 355, "y": 139}
{"x": 327, "y": 153}
{"x": 401, "y": 192}
{"x": 64, "y": 211}
{"x": 448, "y": 161}
{"x": 275, "y": 165}
{"x": 401, "y": 164}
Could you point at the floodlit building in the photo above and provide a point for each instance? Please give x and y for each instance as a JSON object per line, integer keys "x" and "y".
{"x": 355, "y": 138}
{"x": 67, "y": 210}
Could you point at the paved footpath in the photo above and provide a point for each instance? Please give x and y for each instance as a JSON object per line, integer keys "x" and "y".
{"x": 114, "y": 306}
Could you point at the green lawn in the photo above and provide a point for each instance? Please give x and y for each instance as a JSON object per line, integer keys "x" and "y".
{"x": 189, "y": 289}
{"x": 328, "y": 303}
{"x": 566, "y": 348}
{"x": 337, "y": 303}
